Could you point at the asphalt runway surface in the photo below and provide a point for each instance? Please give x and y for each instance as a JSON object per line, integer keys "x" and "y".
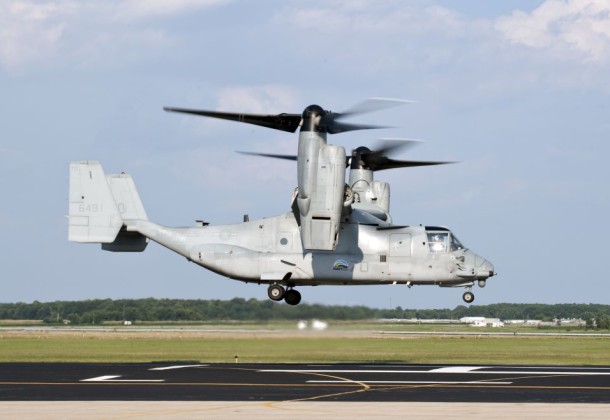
{"x": 356, "y": 383}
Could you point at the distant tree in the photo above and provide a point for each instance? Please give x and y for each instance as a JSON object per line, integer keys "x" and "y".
{"x": 96, "y": 311}
{"x": 589, "y": 320}
{"x": 602, "y": 322}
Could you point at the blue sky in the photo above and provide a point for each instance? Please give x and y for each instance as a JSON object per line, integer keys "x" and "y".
{"x": 517, "y": 91}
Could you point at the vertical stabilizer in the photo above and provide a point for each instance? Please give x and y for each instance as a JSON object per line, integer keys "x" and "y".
{"x": 100, "y": 205}
{"x": 93, "y": 213}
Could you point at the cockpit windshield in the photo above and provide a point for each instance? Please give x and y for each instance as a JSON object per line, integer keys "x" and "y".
{"x": 442, "y": 240}
{"x": 455, "y": 243}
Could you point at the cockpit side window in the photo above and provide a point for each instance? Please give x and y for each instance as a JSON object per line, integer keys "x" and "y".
{"x": 438, "y": 241}
{"x": 441, "y": 239}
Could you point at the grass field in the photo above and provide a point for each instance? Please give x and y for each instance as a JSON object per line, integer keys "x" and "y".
{"x": 283, "y": 345}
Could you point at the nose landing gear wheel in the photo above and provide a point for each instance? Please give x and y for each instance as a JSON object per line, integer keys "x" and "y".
{"x": 292, "y": 297}
{"x": 276, "y": 292}
{"x": 468, "y": 297}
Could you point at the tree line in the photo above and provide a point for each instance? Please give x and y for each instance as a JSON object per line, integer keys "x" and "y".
{"x": 98, "y": 311}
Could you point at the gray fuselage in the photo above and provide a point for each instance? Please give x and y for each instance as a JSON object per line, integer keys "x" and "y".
{"x": 269, "y": 251}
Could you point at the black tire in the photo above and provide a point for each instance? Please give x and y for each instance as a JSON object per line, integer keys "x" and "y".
{"x": 292, "y": 297}
{"x": 468, "y": 297}
{"x": 276, "y": 292}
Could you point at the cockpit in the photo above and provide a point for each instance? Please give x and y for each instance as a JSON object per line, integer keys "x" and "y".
{"x": 442, "y": 240}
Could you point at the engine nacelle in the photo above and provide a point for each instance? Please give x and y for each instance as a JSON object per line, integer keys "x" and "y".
{"x": 320, "y": 211}
{"x": 380, "y": 195}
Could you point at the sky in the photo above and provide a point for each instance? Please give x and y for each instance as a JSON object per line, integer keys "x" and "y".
{"x": 517, "y": 91}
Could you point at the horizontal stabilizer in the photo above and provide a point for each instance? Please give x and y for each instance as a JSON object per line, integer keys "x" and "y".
{"x": 127, "y": 242}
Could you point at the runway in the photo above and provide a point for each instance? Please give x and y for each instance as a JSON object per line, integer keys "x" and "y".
{"x": 351, "y": 383}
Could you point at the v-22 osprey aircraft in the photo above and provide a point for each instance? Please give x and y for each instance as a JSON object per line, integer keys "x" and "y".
{"x": 337, "y": 232}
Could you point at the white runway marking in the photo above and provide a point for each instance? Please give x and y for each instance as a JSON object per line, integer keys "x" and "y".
{"x": 112, "y": 378}
{"x": 340, "y": 371}
{"x": 543, "y": 372}
{"x": 447, "y": 370}
{"x": 456, "y": 369}
{"x": 411, "y": 382}
{"x": 177, "y": 367}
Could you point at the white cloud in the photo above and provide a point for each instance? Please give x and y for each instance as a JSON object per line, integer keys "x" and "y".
{"x": 35, "y": 32}
{"x": 374, "y": 17}
{"x": 138, "y": 9}
{"x": 365, "y": 38}
{"x": 494, "y": 56}
{"x": 562, "y": 27}
{"x": 30, "y": 31}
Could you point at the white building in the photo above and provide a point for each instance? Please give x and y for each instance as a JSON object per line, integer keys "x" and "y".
{"x": 479, "y": 321}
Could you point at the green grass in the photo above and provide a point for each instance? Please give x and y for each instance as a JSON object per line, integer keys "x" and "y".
{"x": 309, "y": 348}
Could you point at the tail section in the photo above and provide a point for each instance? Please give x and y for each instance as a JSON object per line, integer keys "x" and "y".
{"x": 99, "y": 205}
{"x": 126, "y": 197}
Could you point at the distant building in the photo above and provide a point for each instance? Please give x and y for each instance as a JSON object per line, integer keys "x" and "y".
{"x": 570, "y": 322}
{"x": 471, "y": 319}
{"x": 479, "y": 321}
{"x": 515, "y": 321}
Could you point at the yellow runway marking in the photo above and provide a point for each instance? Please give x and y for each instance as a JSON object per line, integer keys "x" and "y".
{"x": 109, "y": 383}
{"x": 472, "y": 386}
{"x": 304, "y": 385}
{"x": 363, "y": 388}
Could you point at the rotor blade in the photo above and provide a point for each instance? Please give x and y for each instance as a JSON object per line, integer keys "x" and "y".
{"x": 385, "y": 163}
{"x": 336, "y": 127}
{"x": 372, "y": 105}
{"x": 286, "y": 157}
{"x": 388, "y": 145}
{"x": 283, "y": 122}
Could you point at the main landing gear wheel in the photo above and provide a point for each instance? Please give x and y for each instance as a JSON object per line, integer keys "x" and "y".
{"x": 276, "y": 292}
{"x": 292, "y": 297}
{"x": 468, "y": 297}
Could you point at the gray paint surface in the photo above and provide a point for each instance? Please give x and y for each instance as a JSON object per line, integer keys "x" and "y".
{"x": 270, "y": 250}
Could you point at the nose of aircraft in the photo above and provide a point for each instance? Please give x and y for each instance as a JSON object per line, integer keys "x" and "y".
{"x": 484, "y": 268}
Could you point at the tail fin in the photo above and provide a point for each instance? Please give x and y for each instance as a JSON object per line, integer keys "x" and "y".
{"x": 99, "y": 204}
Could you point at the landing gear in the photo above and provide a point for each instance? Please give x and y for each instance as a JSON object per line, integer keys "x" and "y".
{"x": 292, "y": 297}
{"x": 468, "y": 297}
{"x": 276, "y": 292}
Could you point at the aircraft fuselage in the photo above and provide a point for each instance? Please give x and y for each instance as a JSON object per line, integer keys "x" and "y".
{"x": 269, "y": 251}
